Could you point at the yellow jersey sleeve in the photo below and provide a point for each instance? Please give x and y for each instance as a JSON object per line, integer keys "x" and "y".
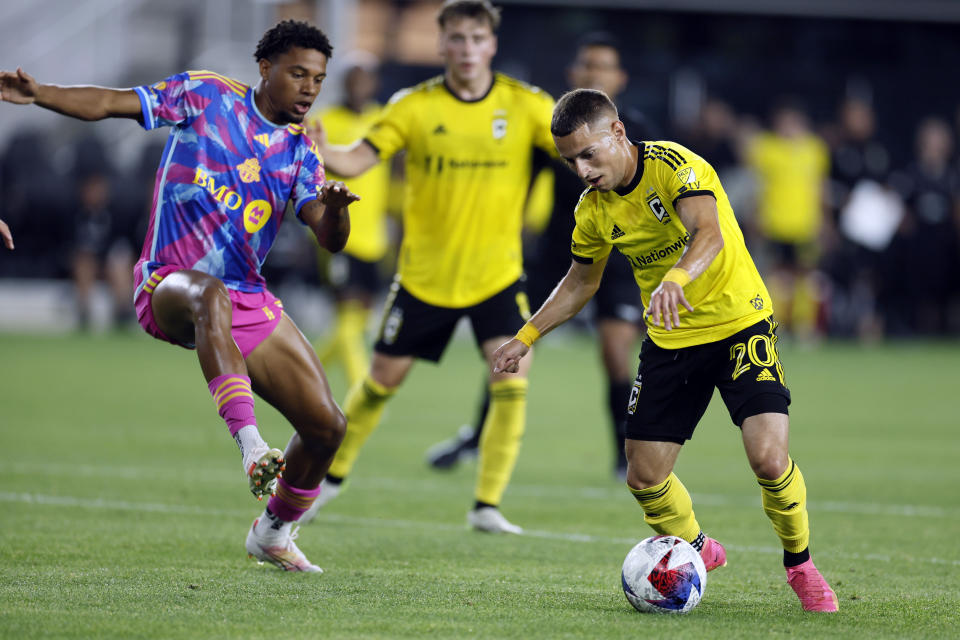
{"x": 682, "y": 174}
{"x": 588, "y": 244}
{"x": 391, "y": 132}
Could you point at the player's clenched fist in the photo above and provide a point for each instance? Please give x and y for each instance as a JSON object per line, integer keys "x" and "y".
{"x": 18, "y": 87}
{"x": 507, "y": 357}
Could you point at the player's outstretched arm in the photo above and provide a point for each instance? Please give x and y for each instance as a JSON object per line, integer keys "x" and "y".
{"x": 83, "y": 102}
{"x": 699, "y": 216}
{"x": 328, "y": 217}
{"x": 348, "y": 161}
{"x": 574, "y": 290}
{"x": 5, "y": 234}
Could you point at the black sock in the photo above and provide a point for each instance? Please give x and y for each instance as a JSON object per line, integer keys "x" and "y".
{"x": 618, "y": 394}
{"x": 334, "y": 480}
{"x": 791, "y": 559}
{"x": 479, "y": 504}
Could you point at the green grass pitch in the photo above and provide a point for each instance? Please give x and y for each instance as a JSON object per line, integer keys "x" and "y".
{"x": 124, "y": 510}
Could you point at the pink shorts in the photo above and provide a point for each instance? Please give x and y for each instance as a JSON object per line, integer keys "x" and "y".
{"x": 255, "y": 315}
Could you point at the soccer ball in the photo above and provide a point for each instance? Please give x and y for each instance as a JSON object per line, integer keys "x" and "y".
{"x": 663, "y": 574}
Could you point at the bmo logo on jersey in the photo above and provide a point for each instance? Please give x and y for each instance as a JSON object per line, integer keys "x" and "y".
{"x": 255, "y": 215}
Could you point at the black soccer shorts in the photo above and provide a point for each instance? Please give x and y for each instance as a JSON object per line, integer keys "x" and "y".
{"x": 674, "y": 386}
{"x": 412, "y": 327}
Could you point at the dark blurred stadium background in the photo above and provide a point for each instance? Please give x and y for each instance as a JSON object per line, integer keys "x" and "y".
{"x": 70, "y": 189}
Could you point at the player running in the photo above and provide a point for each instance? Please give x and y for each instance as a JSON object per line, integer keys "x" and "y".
{"x": 664, "y": 209}
{"x": 469, "y": 136}
{"x": 235, "y": 156}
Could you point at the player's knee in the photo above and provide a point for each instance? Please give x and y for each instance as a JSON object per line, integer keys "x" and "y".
{"x": 640, "y": 477}
{"x": 325, "y": 429}
{"x": 769, "y": 464}
{"x": 211, "y": 303}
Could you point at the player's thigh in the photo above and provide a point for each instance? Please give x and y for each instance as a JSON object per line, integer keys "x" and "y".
{"x": 182, "y": 295}
{"x": 285, "y": 371}
{"x": 670, "y": 394}
{"x": 751, "y": 376}
{"x": 412, "y": 328}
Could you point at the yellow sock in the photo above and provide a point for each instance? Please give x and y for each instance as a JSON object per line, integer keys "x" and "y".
{"x": 785, "y": 503}
{"x": 500, "y": 440}
{"x": 668, "y": 509}
{"x": 351, "y": 337}
{"x": 363, "y": 408}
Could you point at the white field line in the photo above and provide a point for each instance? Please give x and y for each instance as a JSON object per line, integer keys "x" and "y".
{"x": 192, "y": 510}
{"x": 433, "y": 484}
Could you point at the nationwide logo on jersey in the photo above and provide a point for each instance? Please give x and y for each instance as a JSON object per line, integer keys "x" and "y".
{"x": 617, "y": 233}
{"x": 263, "y": 139}
{"x": 757, "y": 302}
{"x": 255, "y": 215}
{"x": 249, "y": 170}
{"x": 656, "y": 205}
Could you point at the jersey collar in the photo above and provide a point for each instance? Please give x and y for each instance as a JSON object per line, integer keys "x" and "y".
{"x": 638, "y": 176}
{"x": 493, "y": 81}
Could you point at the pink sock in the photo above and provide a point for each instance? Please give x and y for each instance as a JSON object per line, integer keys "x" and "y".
{"x": 234, "y": 400}
{"x": 290, "y": 502}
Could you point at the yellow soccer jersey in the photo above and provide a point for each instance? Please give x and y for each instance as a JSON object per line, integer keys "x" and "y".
{"x": 467, "y": 175}
{"x": 368, "y": 231}
{"x": 641, "y": 221}
{"x": 790, "y": 175}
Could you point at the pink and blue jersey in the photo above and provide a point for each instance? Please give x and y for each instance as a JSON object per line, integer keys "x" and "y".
{"x": 225, "y": 178}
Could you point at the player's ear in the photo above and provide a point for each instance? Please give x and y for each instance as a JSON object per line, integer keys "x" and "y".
{"x": 264, "y": 68}
{"x": 619, "y": 131}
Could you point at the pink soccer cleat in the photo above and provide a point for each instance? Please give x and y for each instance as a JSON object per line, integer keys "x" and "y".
{"x": 713, "y": 554}
{"x": 814, "y": 592}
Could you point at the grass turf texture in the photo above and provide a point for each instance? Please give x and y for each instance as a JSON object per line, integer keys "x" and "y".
{"x": 124, "y": 508}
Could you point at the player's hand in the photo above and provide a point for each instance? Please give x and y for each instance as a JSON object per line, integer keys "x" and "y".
{"x": 18, "y": 87}
{"x": 665, "y": 303}
{"x": 317, "y": 133}
{"x": 336, "y": 195}
{"x": 5, "y": 234}
{"x": 506, "y": 359}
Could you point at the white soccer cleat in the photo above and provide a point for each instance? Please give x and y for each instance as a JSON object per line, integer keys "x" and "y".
{"x": 490, "y": 519}
{"x": 279, "y": 550}
{"x": 328, "y": 491}
{"x": 263, "y": 466}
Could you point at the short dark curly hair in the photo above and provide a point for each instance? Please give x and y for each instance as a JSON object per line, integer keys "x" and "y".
{"x": 291, "y": 33}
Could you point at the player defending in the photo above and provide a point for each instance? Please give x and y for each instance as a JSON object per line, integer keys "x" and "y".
{"x": 665, "y": 210}
{"x": 236, "y": 155}
{"x": 469, "y": 136}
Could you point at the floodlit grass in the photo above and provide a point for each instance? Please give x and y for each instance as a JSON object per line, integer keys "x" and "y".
{"x": 124, "y": 509}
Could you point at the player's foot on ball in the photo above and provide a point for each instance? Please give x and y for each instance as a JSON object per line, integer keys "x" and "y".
{"x": 814, "y": 592}
{"x": 713, "y": 554}
{"x": 279, "y": 550}
{"x": 263, "y": 466}
{"x": 447, "y": 454}
{"x": 490, "y": 519}
{"x": 328, "y": 491}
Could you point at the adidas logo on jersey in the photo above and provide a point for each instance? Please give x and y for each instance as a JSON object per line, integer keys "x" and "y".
{"x": 617, "y": 233}
{"x": 440, "y": 129}
{"x": 263, "y": 139}
{"x": 765, "y": 376}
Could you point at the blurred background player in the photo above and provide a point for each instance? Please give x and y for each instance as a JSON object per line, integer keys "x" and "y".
{"x": 469, "y": 136}
{"x": 791, "y": 165}
{"x": 234, "y": 156}
{"x": 618, "y": 313}
{"x": 354, "y": 273}
{"x": 682, "y": 239}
